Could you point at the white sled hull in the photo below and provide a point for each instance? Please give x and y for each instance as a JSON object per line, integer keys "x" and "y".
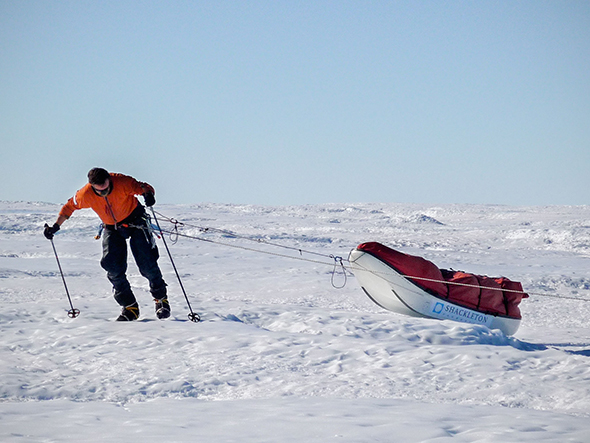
{"x": 390, "y": 290}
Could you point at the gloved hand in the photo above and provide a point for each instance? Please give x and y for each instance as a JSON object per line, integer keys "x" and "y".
{"x": 149, "y": 198}
{"x": 50, "y": 230}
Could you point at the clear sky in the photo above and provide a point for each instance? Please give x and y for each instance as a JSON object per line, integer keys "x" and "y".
{"x": 293, "y": 102}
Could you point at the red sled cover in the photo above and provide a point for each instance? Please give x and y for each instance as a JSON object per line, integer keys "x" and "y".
{"x": 496, "y": 296}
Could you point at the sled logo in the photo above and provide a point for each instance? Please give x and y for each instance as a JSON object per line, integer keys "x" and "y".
{"x": 438, "y": 308}
{"x": 458, "y": 313}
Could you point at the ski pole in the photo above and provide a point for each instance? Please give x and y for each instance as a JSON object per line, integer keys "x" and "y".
{"x": 72, "y": 313}
{"x": 192, "y": 316}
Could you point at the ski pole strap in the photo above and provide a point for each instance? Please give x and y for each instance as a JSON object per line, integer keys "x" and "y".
{"x": 99, "y": 234}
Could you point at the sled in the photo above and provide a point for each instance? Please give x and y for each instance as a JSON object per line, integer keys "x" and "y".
{"x": 385, "y": 275}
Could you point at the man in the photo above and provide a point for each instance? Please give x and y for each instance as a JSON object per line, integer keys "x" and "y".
{"x": 113, "y": 198}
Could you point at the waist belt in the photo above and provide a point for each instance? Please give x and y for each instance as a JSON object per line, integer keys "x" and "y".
{"x": 135, "y": 219}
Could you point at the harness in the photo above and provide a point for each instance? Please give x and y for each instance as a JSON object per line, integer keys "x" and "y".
{"x": 138, "y": 219}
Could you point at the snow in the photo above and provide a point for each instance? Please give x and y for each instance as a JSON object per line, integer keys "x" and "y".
{"x": 281, "y": 355}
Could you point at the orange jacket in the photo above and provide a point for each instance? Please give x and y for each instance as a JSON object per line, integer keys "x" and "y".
{"x": 113, "y": 208}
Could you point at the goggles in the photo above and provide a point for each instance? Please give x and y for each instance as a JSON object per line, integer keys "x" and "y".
{"x": 103, "y": 192}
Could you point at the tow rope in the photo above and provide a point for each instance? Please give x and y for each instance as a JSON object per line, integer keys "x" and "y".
{"x": 337, "y": 262}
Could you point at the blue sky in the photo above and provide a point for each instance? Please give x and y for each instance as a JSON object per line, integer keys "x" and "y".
{"x": 295, "y": 102}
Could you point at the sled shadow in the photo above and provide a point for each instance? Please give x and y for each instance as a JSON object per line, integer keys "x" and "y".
{"x": 584, "y": 352}
{"x": 564, "y": 347}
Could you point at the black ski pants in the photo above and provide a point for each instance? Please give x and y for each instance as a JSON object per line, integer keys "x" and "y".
{"x": 114, "y": 261}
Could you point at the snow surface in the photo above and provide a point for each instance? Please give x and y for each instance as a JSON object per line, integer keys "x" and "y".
{"x": 283, "y": 356}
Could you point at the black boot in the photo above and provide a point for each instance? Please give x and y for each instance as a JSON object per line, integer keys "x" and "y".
{"x": 162, "y": 308}
{"x": 129, "y": 313}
